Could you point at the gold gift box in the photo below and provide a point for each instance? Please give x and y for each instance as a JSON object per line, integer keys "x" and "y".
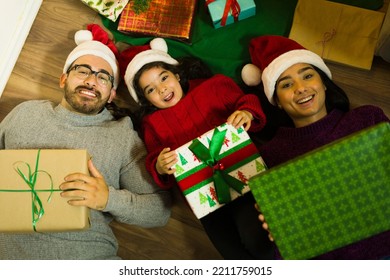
{"x": 339, "y": 33}
{"x": 29, "y": 184}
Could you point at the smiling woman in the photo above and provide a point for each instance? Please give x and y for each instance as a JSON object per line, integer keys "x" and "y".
{"x": 301, "y": 93}
{"x": 319, "y": 110}
{"x": 295, "y": 79}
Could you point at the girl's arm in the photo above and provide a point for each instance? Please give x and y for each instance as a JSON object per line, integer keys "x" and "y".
{"x": 154, "y": 147}
{"x": 236, "y": 100}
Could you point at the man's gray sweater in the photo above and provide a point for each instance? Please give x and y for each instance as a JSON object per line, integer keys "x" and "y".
{"x": 117, "y": 152}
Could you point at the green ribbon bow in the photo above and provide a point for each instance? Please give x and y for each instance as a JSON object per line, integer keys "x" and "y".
{"x": 222, "y": 180}
{"x": 30, "y": 179}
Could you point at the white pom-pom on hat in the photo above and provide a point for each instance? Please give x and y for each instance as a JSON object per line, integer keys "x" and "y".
{"x": 82, "y": 36}
{"x": 159, "y": 44}
{"x": 251, "y": 75}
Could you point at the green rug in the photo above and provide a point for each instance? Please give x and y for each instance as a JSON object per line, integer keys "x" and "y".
{"x": 225, "y": 49}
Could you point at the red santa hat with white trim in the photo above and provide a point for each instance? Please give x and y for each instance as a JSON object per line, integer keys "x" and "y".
{"x": 271, "y": 55}
{"x": 95, "y": 41}
{"x": 135, "y": 57}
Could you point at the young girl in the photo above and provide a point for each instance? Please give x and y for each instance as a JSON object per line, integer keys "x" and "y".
{"x": 178, "y": 108}
{"x": 299, "y": 83}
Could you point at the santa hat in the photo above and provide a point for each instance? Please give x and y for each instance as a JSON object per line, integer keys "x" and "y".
{"x": 271, "y": 55}
{"x": 94, "y": 41}
{"x": 137, "y": 56}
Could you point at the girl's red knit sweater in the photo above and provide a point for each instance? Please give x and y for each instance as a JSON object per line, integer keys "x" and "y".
{"x": 205, "y": 106}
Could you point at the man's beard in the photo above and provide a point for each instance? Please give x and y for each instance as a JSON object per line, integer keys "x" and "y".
{"x": 82, "y": 104}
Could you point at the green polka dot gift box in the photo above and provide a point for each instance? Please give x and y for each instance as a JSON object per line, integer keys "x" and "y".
{"x": 328, "y": 198}
{"x": 214, "y": 168}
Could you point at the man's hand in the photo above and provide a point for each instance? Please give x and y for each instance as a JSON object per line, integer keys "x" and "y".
{"x": 84, "y": 190}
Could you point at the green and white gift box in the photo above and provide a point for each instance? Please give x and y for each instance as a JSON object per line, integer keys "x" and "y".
{"x": 107, "y": 8}
{"x": 214, "y": 168}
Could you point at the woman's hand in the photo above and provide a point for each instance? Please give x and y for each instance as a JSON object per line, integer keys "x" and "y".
{"x": 165, "y": 160}
{"x": 240, "y": 118}
{"x": 264, "y": 224}
{"x": 85, "y": 190}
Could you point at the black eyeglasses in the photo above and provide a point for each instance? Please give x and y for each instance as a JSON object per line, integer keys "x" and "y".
{"x": 84, "y": 71}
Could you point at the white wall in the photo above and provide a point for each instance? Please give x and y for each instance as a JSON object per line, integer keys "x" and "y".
{"x": 16, "y": 19}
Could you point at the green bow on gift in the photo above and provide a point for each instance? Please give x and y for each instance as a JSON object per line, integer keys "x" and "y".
{"x": 222, "y": 180}
{"x": 30, "y": 178}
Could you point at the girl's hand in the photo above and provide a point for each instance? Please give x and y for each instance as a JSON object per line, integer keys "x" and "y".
{"x": 166, "y": 159}
{"x": 240, "y": 118}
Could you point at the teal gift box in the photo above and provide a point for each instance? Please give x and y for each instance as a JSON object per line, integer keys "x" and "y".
{"x": 331, "y": 197}
{"x": 225, "y": 12}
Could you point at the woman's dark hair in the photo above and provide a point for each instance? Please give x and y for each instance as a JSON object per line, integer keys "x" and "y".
{"x": 188, "y": 68}
{"x": 336, "y": 98}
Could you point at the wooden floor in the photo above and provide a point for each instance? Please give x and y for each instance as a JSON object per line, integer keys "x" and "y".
{"x": 36, "y": 76}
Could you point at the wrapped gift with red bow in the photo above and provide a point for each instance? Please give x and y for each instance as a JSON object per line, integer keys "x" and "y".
{"x": 214, "y": 168}
{"x": 163, "y": 18}
{"x": 225, "y": 12}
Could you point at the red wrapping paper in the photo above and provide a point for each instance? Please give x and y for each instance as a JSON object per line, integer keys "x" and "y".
{"x": 164, "y": 18}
